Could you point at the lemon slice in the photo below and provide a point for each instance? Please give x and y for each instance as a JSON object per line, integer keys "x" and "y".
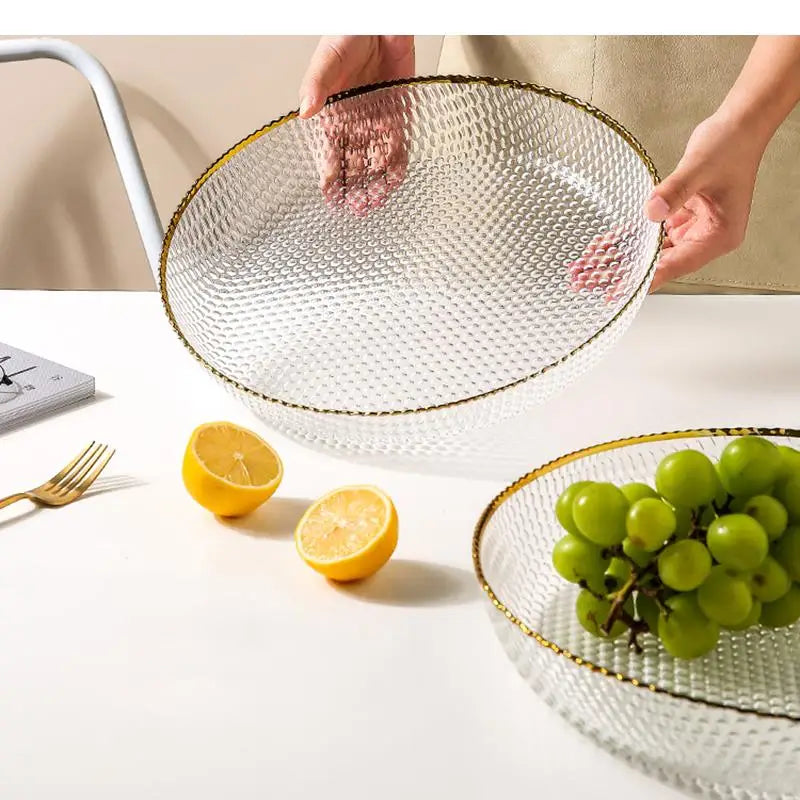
{"x": 229, "y": 470}
{"x": 348, "y": 534}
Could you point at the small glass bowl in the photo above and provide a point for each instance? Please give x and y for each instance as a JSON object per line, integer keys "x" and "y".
{"x": 725, "y": 726}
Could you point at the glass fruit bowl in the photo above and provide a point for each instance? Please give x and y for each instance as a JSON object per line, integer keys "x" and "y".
{"x": 422, "y": 258}
{"x": 726, "y": 725}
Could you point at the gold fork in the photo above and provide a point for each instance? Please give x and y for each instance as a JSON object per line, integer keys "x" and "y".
{"x": 69, "y": 484}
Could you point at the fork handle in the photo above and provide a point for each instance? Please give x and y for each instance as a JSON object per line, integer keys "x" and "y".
{"x": 7, "y": 501}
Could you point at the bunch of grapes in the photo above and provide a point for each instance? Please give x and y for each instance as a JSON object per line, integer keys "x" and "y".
{"x": 714, "y": 545}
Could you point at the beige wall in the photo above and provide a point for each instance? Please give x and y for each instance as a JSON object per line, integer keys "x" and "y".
{"x": 64, "y": 218}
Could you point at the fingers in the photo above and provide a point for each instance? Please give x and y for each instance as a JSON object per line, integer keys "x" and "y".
{"x": 675, "y": 190}
{"x": 399, "y": 57}
{"x": 602, "y": 265}
{"x": 682, "y": 259}
{"x": 326, "y": 74}
{"x": 339, "y": 61}
{"x": 678, "y": 219}
{"x": 677, "y": 233}
{"x": 362, "y": 158}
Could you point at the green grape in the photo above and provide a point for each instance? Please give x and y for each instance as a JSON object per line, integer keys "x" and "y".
{"x": 737, "y": 541}
{"x": 686, "y": 632}
{"x": 684, "y": 565}
{"x": 707, "y": 517}
{"x": 647, "y": 611}
{"x": 686, "y": 478}
{"x": 652, "y": 581}
{"x": 650, "y": 522}
{"x": 637, "y": 491}
{"x": 737, "y": 505}
{"x": 564, "y": 506}
{"x": 592, "y": 613}
{"x": 721, "y": 493}
{"x": 683, "y": 521}
{"x": 599, "y": 512}
{"x": 577, "y": 560}
{"x": 786, "y": 551}
{"x": 617, "y": 574}
{"x": 750, "y": 620}
{"x": 769, "y": 581}
{"x": 749, "y": 465}
{"x": 639, "y": 557}
{"x": 767, "y": 511}
{"x": 724, "y": 597}
{"x": 790, "y": 461}
{"x": 787, "y": 491}
{"x": 783, "y": 612}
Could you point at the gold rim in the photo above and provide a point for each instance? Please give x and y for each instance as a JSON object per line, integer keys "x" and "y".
{"x": 609, "y": 121}
{"x": 551, "y": 466}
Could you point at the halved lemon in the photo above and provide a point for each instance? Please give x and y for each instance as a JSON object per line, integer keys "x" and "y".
{"x": 348, "y": 534}
{"x": 229, "y": 470}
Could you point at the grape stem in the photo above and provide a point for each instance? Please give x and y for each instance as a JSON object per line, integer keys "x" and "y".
{"x": 636, "y": 626}
{"x": 634, "y": 582}
{"x": 585, "y": 586}
{"x": 698, "y": 531}
{"x": 619, "y": 601}
{"x": 655, "y": 596}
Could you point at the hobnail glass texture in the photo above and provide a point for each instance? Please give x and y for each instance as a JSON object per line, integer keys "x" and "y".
{"x": 723, "y": 726}
{"x": 418, "y": 260}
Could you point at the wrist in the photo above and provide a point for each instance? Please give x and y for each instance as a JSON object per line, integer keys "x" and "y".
{"x": 767, "y": 89}
{"x": 748, "y": 127}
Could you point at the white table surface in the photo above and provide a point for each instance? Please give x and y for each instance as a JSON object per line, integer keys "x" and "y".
{"x": 150, "y": 651}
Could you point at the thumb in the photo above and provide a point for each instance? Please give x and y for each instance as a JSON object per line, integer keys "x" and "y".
{"x": 673, "y": 192}
{"x": 325, "y": 74}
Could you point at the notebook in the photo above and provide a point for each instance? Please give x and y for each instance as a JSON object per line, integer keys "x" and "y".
{"x": 31, "y": 387}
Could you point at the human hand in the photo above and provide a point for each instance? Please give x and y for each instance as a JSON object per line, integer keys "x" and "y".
{"x": 342, "y": 62}
{"x": 363, "y": 156}
{"x": 705, "y": 203}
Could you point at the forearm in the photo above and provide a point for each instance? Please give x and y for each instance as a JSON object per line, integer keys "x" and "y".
{"x": 767, "y": 89}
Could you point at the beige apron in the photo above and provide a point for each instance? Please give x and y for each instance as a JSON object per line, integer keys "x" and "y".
{"x": 660, "y": 88}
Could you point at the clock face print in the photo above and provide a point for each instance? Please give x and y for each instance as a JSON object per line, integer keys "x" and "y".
{"x": 10, "y": 389}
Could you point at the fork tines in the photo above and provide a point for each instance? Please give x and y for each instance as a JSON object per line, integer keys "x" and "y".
{"x": 82, "y": 471}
